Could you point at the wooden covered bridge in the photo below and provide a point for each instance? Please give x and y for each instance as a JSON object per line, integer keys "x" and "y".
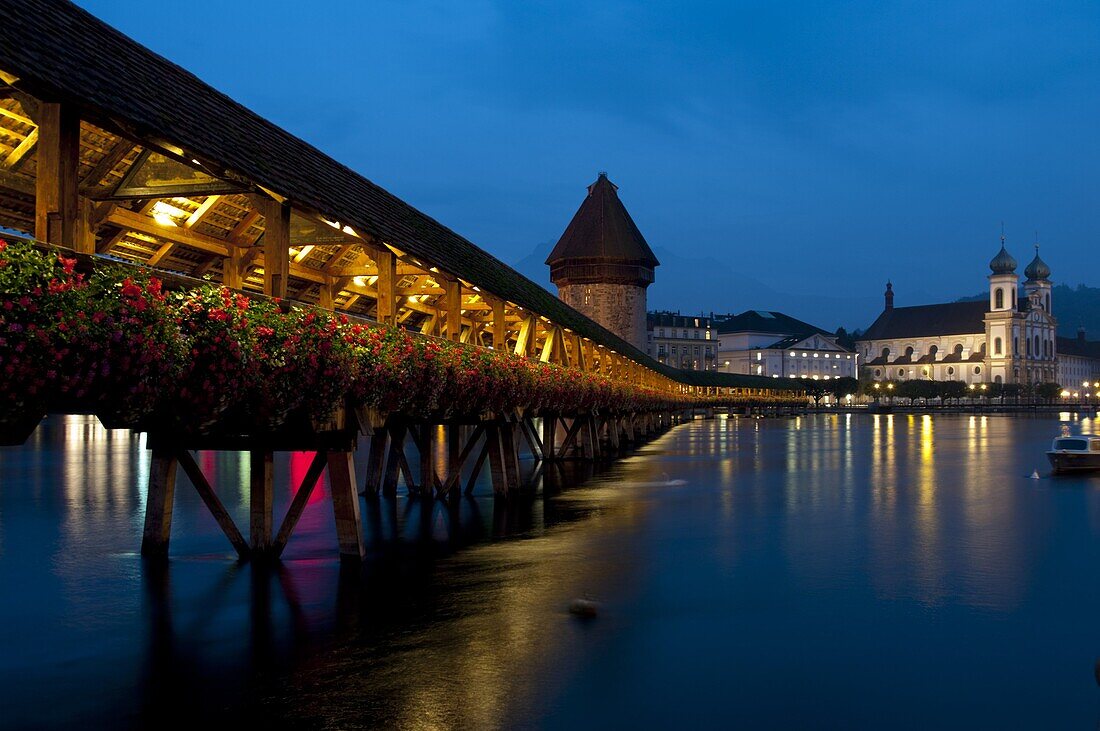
{"x": 113, "y": 152}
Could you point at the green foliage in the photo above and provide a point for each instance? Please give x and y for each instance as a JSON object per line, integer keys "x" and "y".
{"x": 1048, "y": 391}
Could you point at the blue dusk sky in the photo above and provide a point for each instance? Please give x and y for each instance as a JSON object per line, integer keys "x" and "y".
{"x": 798, "y": 154}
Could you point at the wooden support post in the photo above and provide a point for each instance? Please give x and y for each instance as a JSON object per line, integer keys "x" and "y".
{"x": 500, "y": 326}
{"x": 453, "y": 304}
{"x": 510, "y": 453}
{"x": 345, "y": 505}
{"x": 261, "y": 499}
{"x": 527, "y": 431}
{"x": 213, "y": 502}
{"x": 548, "y": 345}
{"x": 387, "y": 285}
{"x": 478, "y": 464}
{"x": 158, "y": 503}
{"x": 587, "y": 436}
{"x": 231, "y": 268}
{"x": 57, "y": 202}
{"x": 570, "y": 436}
{"x": 549, "y": 436}
{"x": 326, "y": 295}
{"x": 497, "y": 459}
{"x": 375, "y": 459}
{"x": 276, "y": 246}
{"x": 301, "y": 498}
{"x": 393, "y": 462}
{"x": 454, "y": 474}
{"x": 426, "y": 446}
{"x": 526, "y": 338}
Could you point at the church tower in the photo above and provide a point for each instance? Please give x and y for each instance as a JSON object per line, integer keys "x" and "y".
{"x": 1038, "y": 281}
{"x": 602, "y": 264}
{"x": 1000, "y": 335}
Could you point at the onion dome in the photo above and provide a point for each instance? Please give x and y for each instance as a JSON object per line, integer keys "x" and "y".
{"x": 1003, "y": 263}
{"x": 1037, "y": 269}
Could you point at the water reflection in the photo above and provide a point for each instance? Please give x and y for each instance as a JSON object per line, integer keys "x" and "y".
{"x": 728, "y": 550}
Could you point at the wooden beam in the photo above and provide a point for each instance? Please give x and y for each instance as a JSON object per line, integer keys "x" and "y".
{"x": 500, "y": 325}
{"x": 213, "y": 503}
{"x": 548, "y": 345}
{"x": 454, "y": 309}
{"x": 386, "y": 286}
{"x": 107, "y": 163}
{"x": 17, "y": 116}
{"x": 201, "y": 211}
{"x": 526, "y": 336}
{"x": 298, "y": 504}
{"x": 231, "y": 268}
{"x": 159, "y": 500}
{"x": 326, "y": 295}
{"x": 261, "y": 499}
{"x": 345, "y": 505}
{"x": 276, "y": 246}
{"x": 56, "y": 185}
{"x": 159, "y": 254}
{"x": 16, "y": 156}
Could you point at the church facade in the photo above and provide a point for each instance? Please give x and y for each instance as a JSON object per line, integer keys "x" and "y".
{"x": 1009, "y": 338}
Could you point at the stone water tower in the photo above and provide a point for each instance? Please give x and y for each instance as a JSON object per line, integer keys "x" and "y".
{"x": 602, "y": 264}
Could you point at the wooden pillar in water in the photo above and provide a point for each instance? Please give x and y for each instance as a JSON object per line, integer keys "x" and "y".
{"x": 510, "y": 452}
{"x": 345, "y": 505}
{"x": 426, "y": 445}
{"x": 497, "y": 459}
{"x": 261, "y": 499}
{"x": 549, "y": 437}
{"x": 158, "y": 503}
{"x": 376, "y": 456}
{"x": 393, "y": 462}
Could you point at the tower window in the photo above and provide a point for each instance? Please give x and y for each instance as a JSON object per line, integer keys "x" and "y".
{"x": 996, "y": 346}
{"x": 998, "y": 299}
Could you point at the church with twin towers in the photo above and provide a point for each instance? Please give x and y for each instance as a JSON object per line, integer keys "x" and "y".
{"x": 1010, "y": 337}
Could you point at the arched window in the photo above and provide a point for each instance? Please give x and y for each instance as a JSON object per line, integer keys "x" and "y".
{"x": 996, "y": 346}
{"x": 998, "y": 299}
{"x": 909, "y": 352}
{"x": 981, "y": 348}
{"x": 996, "y": 379}
{"x": 1048, "y": 303}
{"x": 1037, "y": 351}
{"x": 959, "y": 349}
{"x": 933, "y": 350}
{"x": 885, "y": 352}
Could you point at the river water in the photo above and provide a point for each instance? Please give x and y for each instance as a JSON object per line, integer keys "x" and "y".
{"x": 828, "y": 571}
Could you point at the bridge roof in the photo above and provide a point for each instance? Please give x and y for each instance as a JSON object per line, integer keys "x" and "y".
{"x": 59, "y": 51}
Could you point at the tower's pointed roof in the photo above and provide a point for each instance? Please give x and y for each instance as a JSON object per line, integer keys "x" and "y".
{"x": 603, "y": 230}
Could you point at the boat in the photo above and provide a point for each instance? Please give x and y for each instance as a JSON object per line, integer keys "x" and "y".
{"x": 1074, "y": 453}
